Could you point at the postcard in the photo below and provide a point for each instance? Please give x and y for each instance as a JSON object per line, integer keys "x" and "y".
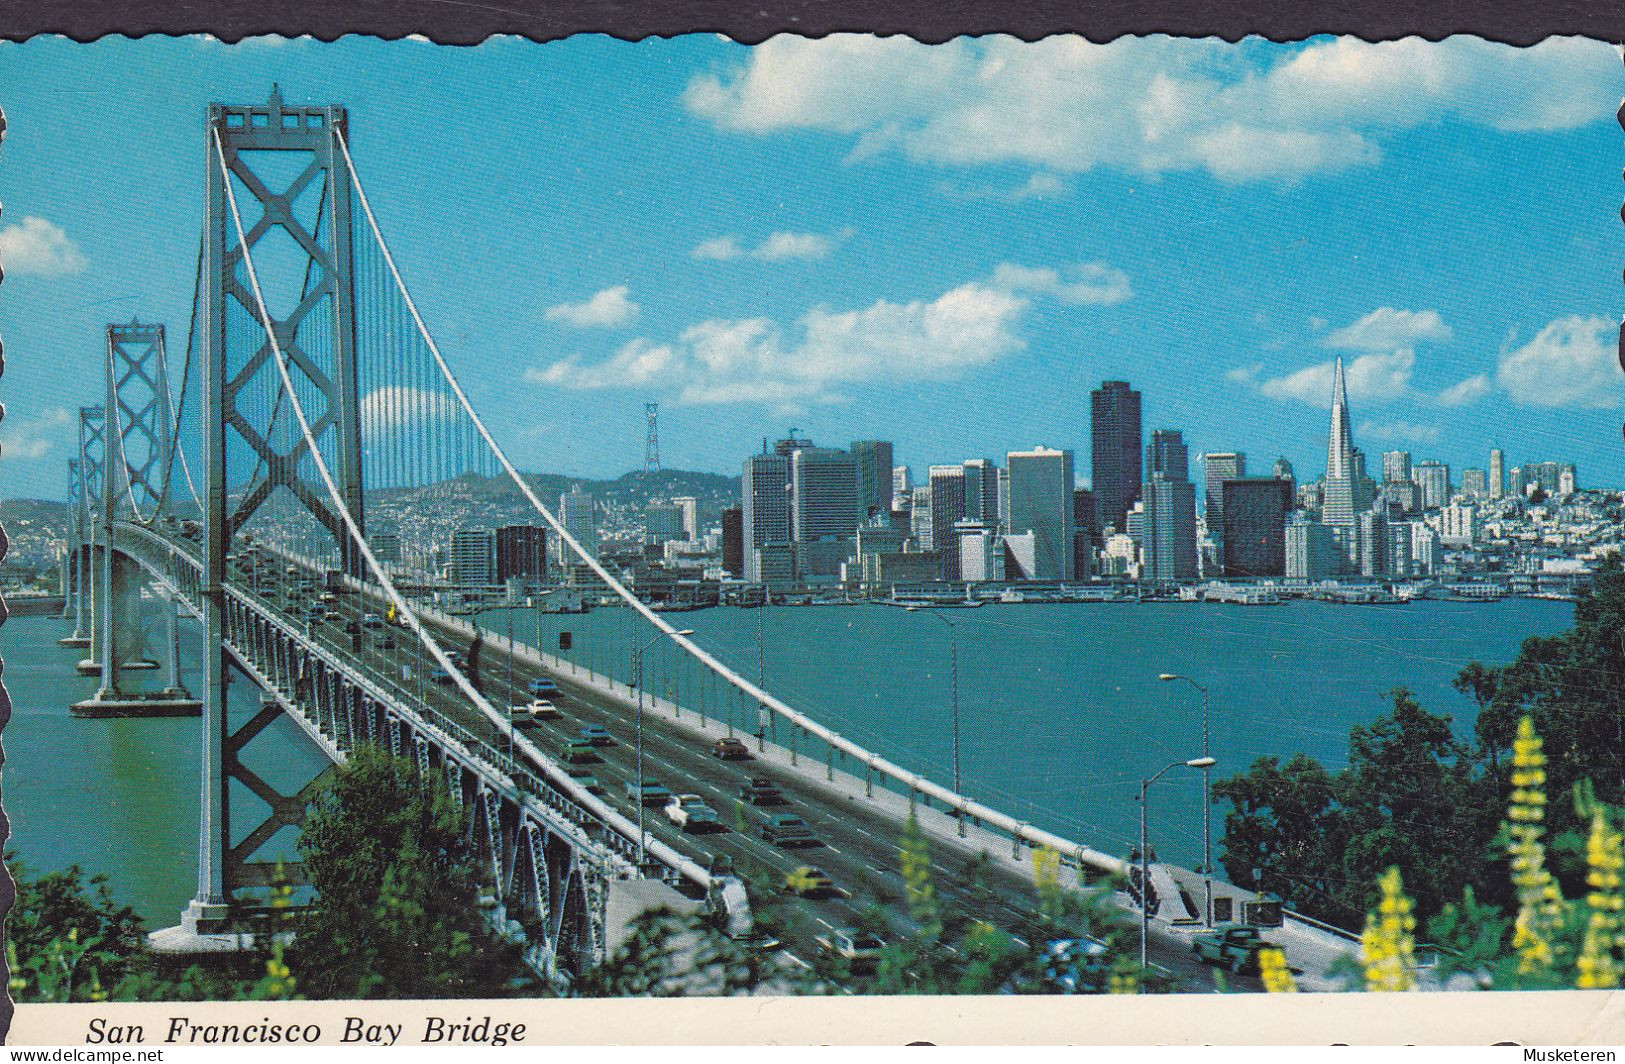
{"x": 1077, "y": 527}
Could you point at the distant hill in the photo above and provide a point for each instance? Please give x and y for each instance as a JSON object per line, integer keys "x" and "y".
{"x": 630, "y": 489}
{"x": 32, "y": 511}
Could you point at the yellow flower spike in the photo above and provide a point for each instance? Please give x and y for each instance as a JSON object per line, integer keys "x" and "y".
{"x": 1273, "y": 970}
{"x": 1598, "y": 967}
{"x": 1388, "y": 948}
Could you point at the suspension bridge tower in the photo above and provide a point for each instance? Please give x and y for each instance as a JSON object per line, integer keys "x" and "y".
{"x": 278, "y": 190}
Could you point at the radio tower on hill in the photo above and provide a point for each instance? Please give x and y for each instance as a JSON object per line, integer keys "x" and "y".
{"x": 651, "y": 443}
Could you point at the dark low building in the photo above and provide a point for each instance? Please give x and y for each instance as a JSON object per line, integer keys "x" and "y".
{"x": 521, "y": 551}
{"x": 1254, "y": 536}
{"x": 733, "y": 540}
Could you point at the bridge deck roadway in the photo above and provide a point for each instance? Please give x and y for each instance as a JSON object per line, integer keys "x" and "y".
{"x": 860, "y": 831}
{"x": 861, "y": 835}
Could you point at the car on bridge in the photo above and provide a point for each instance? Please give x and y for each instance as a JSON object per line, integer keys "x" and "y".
{"x": 372, "y": 620}
{"x": 585, "y": 777}
{"x": 731, "y": 749}
{"x": 789, "y": 830}
{"x": 761, "y": 791}
{"x": 1079, "y": 965}
{"x": 598, "y": 735}
{"x": 1234, "y": 948}
{"x": 534, "y": 712}
{"x": 543, "y": 687}
{"x": 689, "y": 812}
{"x": 580, "y": 752}
{"x": 810, "y": 882}
{"x": 860, "y": 949}
{"x": 653, "y": 793}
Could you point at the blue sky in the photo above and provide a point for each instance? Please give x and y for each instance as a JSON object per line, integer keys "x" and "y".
{"x": 945, "y": 246}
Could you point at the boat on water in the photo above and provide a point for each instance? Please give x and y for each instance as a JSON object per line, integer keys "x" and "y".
{"x": 1243, "y": 595}
{"x": 935, "y": 604}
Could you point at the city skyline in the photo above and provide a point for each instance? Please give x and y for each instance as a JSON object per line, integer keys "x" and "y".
{"x": 818, "y": 258}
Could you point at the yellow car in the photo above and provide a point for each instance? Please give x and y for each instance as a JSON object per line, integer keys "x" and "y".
{"x": 809, "y": 882}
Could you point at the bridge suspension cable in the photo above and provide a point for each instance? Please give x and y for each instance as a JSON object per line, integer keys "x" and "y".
{"x": 914, "y": 781}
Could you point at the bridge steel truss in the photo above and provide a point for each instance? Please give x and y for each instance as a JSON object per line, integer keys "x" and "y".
{"x": 549, "y": 862}
{"x": 137, "y": 445}
{"x": 71, "y": 582}
{"x": 87, "y": 478}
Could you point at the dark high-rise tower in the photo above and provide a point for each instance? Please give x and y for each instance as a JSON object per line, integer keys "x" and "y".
{"x": 1114, "y": 455}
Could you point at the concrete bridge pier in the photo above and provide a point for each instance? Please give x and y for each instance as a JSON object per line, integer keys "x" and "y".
{"x": 117, "y": 646}
{"x": 81, "y": 599}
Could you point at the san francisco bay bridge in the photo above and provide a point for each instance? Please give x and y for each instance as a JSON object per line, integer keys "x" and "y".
{"x": 231, "y": 484}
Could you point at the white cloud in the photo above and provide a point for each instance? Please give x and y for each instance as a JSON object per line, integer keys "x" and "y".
{"x": 1150, "y": 105}
{"x": 760, "y": 360}
{"x": 1570, "y": 363}
{"x": 1398, "y": 430}
{"x": 395, "y": 409}
{"x": 1386, "y": 328}
{"x": 1467, "y": 392}
{"x": 39, "y": 247}
{"x": 721, "y": 249}
{"x": 1091, "y": 283}
{"x": 1370, "y": 378}
{"x": 605, "y": 310}
{"x": 22, "y": 439}
{"x": 1041, "y": 185}
{"x": 757, "y": 360}
{"x": 1247, "y": 374}
{"x": 778, "y": 247}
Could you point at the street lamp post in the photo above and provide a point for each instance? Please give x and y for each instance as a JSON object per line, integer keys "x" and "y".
{"x": 637, "y": 677}
{"x": 953, "y": 674}
{"x": 1207, "y": 806}
{"x": 1145, "y": 862}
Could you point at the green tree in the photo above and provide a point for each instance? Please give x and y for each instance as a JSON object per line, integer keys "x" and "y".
{"x": 1571, "y": 685}
{"x": 68, "y": 939}
{"x": 1284, "y": 822}
{"x": 396, "y": 911}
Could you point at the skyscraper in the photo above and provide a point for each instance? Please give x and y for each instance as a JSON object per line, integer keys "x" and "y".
{"x": 1114, "y": 454}
{"x": 1338, "y": 503}
{"x": 1498, "y": 480}
{"x": 919, "y": 518}
{"x": 1219, "y": 467}
{"x": 1167, "y": 456}
{"x": 823, "y": 494}
{"x": 765, "y": 500}
{"x": 1396, "y": 467}
{"x": 1254, "y": 531}
{"x": 982, "y": 491}
{"x": 521, "y": 551}
{"x": 1434, "y": 478}
{"x": 690, "y": 507}
{"x": 1311, "y": 551}
{"x": 947, "y": 508}
{"x": 1041, "y": 504}
{"x": 902, "y": 487}
{"x": 472, "y": 556}
{"x": 733, "y": 540}
{"x": 662, "y": 521}
{"x": 1474, "y": 482}
{"x": 1085, "y": 531}
{"x": 579, "y": 513}
{"x": 873, "y": 459}
{"x": 1169, "y": 545}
